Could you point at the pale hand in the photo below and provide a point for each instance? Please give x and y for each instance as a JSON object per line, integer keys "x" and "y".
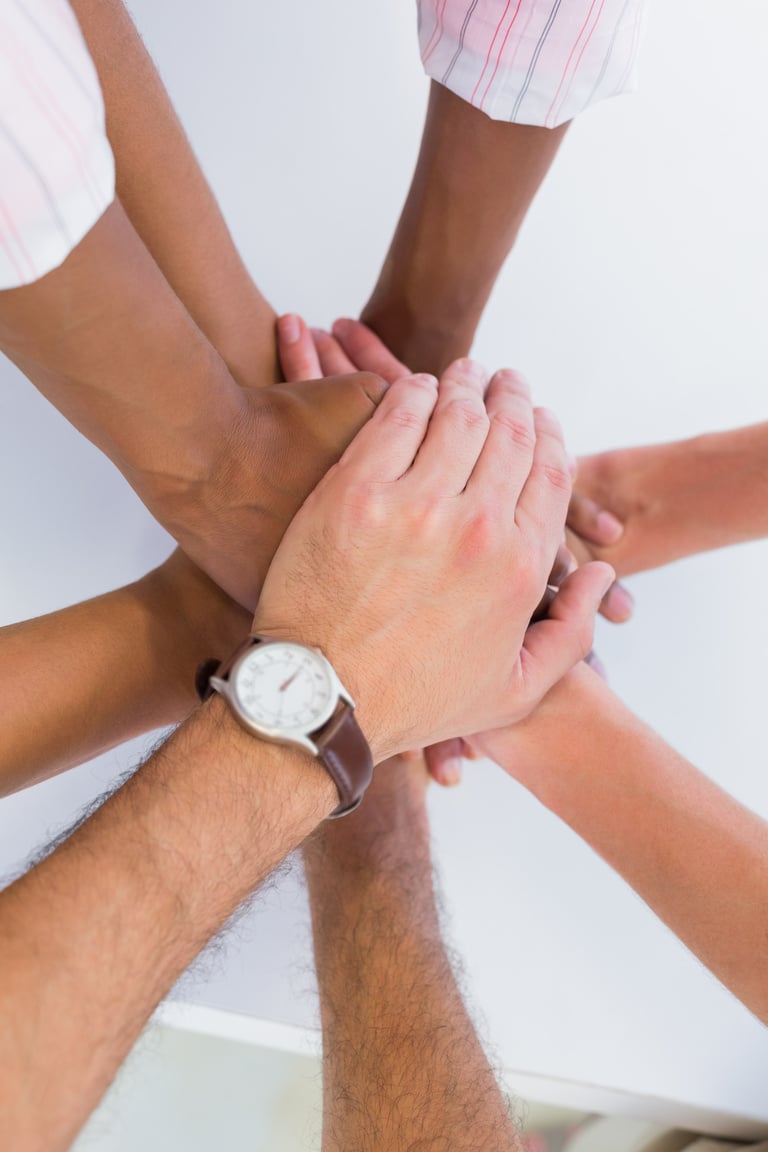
{"x": 419, "y": 560}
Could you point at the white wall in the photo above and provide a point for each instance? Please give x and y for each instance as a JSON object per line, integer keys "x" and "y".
{"x": 635, "y": 302}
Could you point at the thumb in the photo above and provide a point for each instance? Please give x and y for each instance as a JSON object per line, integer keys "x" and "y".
{"x": 556, "y": 644}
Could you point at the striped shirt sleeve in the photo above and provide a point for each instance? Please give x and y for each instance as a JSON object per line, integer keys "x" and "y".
{"x": 532, "y": 61}
{"x": 57, "y": 172}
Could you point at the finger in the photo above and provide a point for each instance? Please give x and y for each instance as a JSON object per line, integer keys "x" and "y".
{"x": 505, "y": 461}
{"x": 563, "y": 566}
{"x": 457, "y": 430}
{"x": 555, "y": 645}
{"x": 618, "y": 604}
{"x": 593, "y": 522}
{"x": 543, "y": 503}
{"x": 367, "y": 351}
{"x": 296, "y": 350}
{"x": 444, "y": 761}
{"x": 333, "y": 359}
{"x": 385, "y": 448}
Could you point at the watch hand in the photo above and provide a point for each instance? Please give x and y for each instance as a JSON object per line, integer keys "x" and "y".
{"x": 289, "y": 681}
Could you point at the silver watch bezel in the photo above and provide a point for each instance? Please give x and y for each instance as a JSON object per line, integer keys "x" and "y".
{"x": 294, "y": 737}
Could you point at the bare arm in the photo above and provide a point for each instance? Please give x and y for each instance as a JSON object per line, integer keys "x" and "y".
{"x": 169, "y": 202}
{"x": 474, "y": 182}
{"x": 82, "y": 680}
{"x": 695, "y": 855}
{"x": 96, "y": 934}
{"x": 679, "y": 499}
{"x": 403, "y": 1066}
{"x": 223, "y": 468}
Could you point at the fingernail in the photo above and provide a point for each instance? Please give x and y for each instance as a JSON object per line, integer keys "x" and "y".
{"x": 596, "y": 665}
{"x": 622, "y": 603}
{"x": 450, "y": 772}
{"x": 609, "y": 527}
{"x": 341, "y": 324}
{"x": 423, "y": 377}
{"x": 289, "y": 328}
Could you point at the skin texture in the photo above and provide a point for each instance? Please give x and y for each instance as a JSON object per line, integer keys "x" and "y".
{"x": 681, "y": 498}
{"x": 215, "y": 463}
{"x": 169, "y": 202}
{"x": 403, "y": 1066}
{"x": 484, "y": 438}
{"x": 111, "y": 918}
{"x": 304, "y": 355}
{"x": 474, "y": 182}
{"x": 353, "y": 346}
{"x": 126, "y": 661}
{"x": 697, "y": 857}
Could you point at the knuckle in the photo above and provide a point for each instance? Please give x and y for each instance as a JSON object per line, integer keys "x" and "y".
{"x": 519, "y": 431}
{"x": 481, "y": 534}
{"x": 467, "y": 414}
{"x": 405, "y": 416}
{"x": 558, "y": 477}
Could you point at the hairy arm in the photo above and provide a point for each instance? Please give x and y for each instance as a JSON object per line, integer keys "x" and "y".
{"x": 679, "y": 499}
{"x": 96, "y": 935}
{"x": 474, "y": 182}
{"x": 84, "y": 679}
{"x": 168, "y": 200}
{"x": 695, "y": 855}
{"x": 403, "y": 1066}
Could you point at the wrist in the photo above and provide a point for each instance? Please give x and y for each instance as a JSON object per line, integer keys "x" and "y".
{"x": 424, "y": 331}
{"x": 188, "y": 619}
{"x": 172, "y": 477}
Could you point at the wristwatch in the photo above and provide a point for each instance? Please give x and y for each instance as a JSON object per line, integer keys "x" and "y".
{"x": 287, "y": 693}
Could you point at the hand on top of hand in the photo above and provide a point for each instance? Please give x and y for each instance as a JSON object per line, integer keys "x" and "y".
{"x": 352, "y": 347}
{"x": 448, "y": 506}
{"x": 285, "y": 440}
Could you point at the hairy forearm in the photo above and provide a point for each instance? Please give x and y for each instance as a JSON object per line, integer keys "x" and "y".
{"x": 402, "y": 1063}
{"x": 82, "y": 680}
{"x": 474, "y": 182}
{"x": 697, "y": 857}
{"x": 682, "y": 498}
{"x": 169, "y": 201}
{"x": 138, "y": 889}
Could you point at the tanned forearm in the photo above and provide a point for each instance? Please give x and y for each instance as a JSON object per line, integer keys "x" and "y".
{"x": 84, "y": 679}
{"x": 169, "y": 201}
{"x": 474, "y": 182}
{"x": 679, "y": 499}
{"x": 109, "y": 344}
{"x": 402, "y": 1064}
{"x": 695, "y": 855}
{"x": 137, "y": 891}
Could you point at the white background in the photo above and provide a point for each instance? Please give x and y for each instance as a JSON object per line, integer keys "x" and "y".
{"x": 635, "y": 302}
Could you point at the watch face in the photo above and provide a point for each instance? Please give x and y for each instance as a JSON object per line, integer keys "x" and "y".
{"x": 284, "y": 688}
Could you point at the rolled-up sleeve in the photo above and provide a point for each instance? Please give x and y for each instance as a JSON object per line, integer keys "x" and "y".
{"x": 532, "y": 61}
{"x": 57, "y": 172}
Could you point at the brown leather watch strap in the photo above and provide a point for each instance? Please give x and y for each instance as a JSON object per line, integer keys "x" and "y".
{"x": 345, "y": 753}
{"x": 222, "y": 669}
{"x": 342, "y": 747}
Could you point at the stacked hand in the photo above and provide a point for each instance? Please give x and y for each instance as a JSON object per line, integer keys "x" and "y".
{"x": 283, "y": 441}
{"x": 448, "y": 505}
{"x": 306, "y": 354}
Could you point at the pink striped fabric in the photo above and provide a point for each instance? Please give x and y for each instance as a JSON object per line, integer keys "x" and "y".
{"x": 57, "y": 173}
{"x": 532, "y": 61}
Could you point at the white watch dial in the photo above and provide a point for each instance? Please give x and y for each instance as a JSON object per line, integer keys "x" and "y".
{"x": 285, "y": 687}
